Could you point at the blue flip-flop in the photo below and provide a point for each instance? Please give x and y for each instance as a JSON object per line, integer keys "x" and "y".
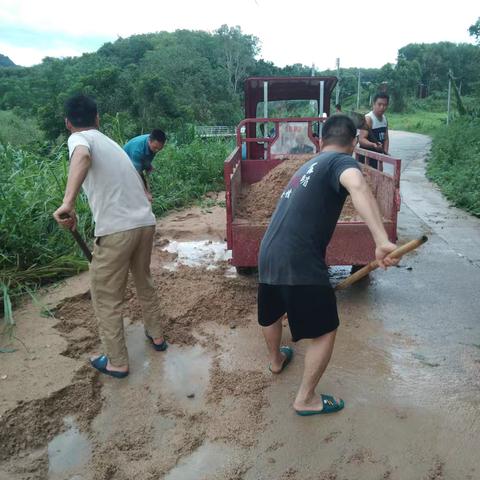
{"x": 288, "y": 352}
{"x": 330, "y": 405}
{"x": 159, "y": 348}
{"x": 100, "y": 363}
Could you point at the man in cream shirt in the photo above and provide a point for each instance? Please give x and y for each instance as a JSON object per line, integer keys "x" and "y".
{"x": 124, "y": 231}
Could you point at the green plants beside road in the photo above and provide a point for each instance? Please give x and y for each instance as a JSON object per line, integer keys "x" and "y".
{"x": 34, "y": 250}
{"x": 187, "y": 172}
{"x": 455, "y": 163}
{"x": 420, "y": 121}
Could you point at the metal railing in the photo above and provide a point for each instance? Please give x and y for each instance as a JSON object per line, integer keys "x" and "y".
{"x": 214, "y": 131}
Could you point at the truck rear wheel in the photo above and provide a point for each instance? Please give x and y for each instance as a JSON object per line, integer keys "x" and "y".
{"x": 355, "y": 268}
{"x": 247, "y": 270}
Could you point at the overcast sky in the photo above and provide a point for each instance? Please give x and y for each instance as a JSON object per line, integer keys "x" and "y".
{"x": 360, "y": 33}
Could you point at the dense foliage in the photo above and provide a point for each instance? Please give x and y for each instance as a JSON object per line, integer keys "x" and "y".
{"x": 170, "y": 79}
{"x": 32, "y": 247}
{"x": 163, "y": 79}
{"x": 455, "y": 163}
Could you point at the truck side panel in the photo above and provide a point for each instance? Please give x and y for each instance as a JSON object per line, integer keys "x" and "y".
{"x": 254, "y": 170}
{"x": 231, "y": 164}
{"x": 351, "y": 244}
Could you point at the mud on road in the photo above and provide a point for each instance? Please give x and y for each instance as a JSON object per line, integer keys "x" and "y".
{"x": 191, "y": 397}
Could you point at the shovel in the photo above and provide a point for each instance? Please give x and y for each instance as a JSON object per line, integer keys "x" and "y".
{"x": 397, "y": 253}
{"x": 80, "y": 241}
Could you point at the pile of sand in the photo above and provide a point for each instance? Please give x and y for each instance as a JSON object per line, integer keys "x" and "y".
{"x": 257, "y": 202}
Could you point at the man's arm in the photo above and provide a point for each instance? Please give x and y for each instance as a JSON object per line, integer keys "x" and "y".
{"x": 386, "y": 143}
{"x": 79, "y": 165}
{"x": 363, "y": 136}
{"x": 366, "y": 205}
{"x": 146, "y": 186}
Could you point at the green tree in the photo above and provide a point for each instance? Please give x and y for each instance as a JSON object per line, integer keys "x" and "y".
{"x": 238, "y": 54}
{"x": 474, "y": 30}
{"x": 436, "y": 59}
{"x": 402, "y": 80}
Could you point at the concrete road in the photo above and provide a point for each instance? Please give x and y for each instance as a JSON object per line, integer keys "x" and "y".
{"x": 406, "y": 361}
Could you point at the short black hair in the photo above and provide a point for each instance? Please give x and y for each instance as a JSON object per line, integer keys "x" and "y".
{"x": 338, "y": 130}
{"x": 158, "y": 135}
{"x": 386, "y": 96}
{"x": 81, "y": 110}
{"x": 338, "y": 106}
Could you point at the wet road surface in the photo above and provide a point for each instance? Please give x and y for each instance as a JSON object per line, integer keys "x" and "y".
{"x": 406, "y": 361}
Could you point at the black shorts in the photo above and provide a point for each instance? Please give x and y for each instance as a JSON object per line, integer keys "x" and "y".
{"x": 311, "y": 309}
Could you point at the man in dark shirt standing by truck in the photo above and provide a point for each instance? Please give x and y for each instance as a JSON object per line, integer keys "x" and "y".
{"x": 293, "y": 276}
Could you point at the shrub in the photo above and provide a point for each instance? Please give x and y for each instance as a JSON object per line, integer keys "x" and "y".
{"x": 455, "y": 163}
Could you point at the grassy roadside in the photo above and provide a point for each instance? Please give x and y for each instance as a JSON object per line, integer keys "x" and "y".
{"x": 454, "y": 163}
{"x": 186, "y": 173}
{"x": 35, "y": 251}
{"x": 424, "y": 122}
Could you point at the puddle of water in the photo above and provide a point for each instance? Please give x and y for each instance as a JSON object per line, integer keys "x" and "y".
{"x": 186, "y": 375}
{"x": 203, "y": 253}
{"x": 139, "y": 353}
{"x": 68, "y": 452}
{"x": 162, "y": 427}
{"x": 231, "y": 272}
{"x": 202, "y": 463}
{"x": 338, "y": 273}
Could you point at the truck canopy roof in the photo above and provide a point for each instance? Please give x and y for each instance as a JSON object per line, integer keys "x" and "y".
{"x": 286, "y": 88}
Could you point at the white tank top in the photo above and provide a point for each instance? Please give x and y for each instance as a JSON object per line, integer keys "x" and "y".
{"x": 379, "y": 127}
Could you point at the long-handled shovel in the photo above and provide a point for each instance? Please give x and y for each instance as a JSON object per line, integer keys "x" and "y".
{"x": 397, "y": 253}
{"x": 80, "y": 241}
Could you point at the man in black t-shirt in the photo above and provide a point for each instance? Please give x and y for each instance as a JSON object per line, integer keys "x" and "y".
{"x": 293, "y": 276}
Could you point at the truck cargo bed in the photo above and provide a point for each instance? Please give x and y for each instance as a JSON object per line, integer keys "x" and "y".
{"x": 351, "y": 244}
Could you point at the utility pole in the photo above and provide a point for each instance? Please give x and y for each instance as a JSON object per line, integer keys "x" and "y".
{"x": 313, "y": 69}
{"x": 337, "y": 93}
{"x": 358, "y": 91}
{"x": 449, "y": 96}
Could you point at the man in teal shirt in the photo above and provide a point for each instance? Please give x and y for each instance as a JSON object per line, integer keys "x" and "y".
{"x": 142, "y": 150}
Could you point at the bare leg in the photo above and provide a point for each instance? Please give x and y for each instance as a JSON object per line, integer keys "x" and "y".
{"x": 316, "y": 360}
{"x": 273, "y": 337}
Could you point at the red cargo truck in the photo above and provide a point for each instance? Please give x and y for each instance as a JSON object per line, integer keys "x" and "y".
{"x": 264, "y": 141}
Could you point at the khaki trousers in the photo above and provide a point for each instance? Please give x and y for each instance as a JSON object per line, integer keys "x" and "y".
{"x": 113, "y": 257}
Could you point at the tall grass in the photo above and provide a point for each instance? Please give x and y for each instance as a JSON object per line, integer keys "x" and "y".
{"x": 186, "y": 172}
{"x": 418, "y": 122}
{"x": 34, "y": 250}
{"x": 455, "y": 163}
{"x": 18, "y": 130}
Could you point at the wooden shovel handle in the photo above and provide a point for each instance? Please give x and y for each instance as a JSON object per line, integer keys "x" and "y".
{"x": 397, "y": 253}
{"x": 80, "y": 241}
